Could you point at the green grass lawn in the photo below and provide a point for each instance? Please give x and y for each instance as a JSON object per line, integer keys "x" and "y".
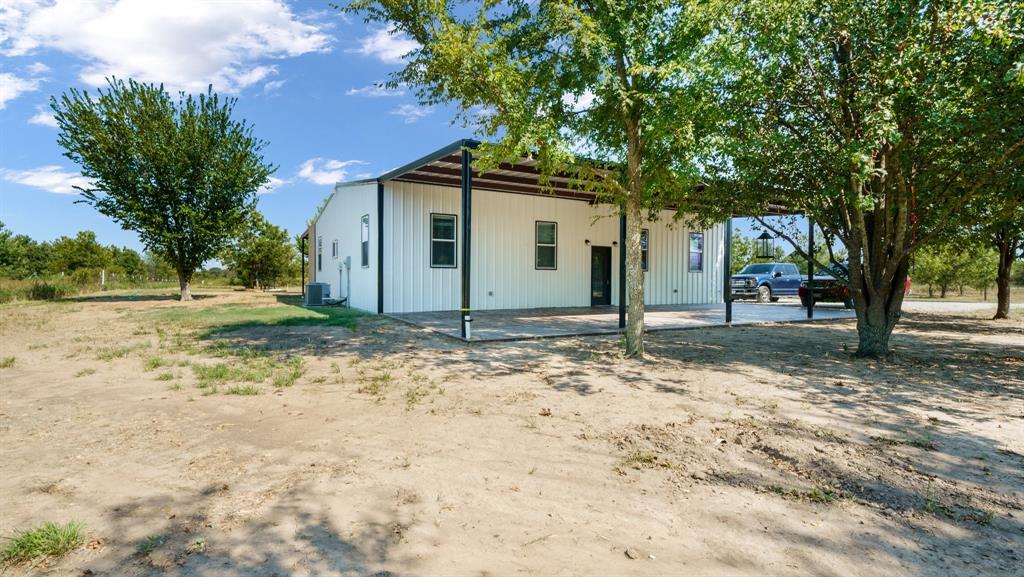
{"x": 285, "y": 312}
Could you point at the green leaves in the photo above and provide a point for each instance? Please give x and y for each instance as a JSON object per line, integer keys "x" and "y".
{"x": 183, "y": 174}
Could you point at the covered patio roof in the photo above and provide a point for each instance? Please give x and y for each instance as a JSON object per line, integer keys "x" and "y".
{"x": 444, "y": 167}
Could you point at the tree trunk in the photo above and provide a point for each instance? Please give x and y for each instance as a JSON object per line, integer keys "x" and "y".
{"x": 877, "y": 317}
{"x": 634, "y": 223}
{"x": 1007, "y": 251}
{"x": 634, "y": 280}
{"x": 185, "y": 281}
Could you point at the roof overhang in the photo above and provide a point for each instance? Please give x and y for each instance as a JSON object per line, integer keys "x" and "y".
{"x": 443, "y": 167}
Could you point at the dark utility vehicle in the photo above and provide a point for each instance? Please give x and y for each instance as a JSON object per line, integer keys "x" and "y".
{"x": 766, "y": 282}
{"x": 828, "y": 286}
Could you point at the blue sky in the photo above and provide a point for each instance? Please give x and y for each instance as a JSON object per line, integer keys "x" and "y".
{"x": 305, "y": 76}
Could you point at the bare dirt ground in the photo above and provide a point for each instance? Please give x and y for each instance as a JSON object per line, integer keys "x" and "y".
{"x": 394, "y": 452}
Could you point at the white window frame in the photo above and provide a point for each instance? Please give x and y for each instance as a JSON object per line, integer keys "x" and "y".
{"x": 364, "y": 240}
{"x": 690, "y": 252}
{"x": 454, "y": 240}
{"x": 645, "y": 251}
{"x": 319, "y": 254}
{"x": 334, "y": 248}
{"x": 538, "y": 245}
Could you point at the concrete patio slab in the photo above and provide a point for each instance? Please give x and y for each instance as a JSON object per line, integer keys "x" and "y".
{"x": 504, "y": 325}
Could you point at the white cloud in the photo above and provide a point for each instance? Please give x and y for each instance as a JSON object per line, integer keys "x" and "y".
{"x": 37, "y": 68}
{"x": 273, "y": 183}
{"x": 185, "y": 44}
{"x": 321, "y": 171}
{"x": 273, "y": 86}
{"x": 12, "y": 86}
{"x": 43, "y": 117}
{"x": 411, "y": 113}
{"x": 578, "y": 103}
{"x": 48, "y": 178}
{"x": 387, "y": 47}
{"x": 375, "y": 90}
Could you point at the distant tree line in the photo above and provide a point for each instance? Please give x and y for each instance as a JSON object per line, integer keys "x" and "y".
{"x": 260, "y": 256}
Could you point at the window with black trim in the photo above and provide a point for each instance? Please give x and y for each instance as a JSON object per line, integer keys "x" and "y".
{"x": 364, "y": 236}
{"x": 696, "y": 251}
{"x": 547, "y": 246}
{"x": 442, "y": 240}
{"x": 645, "y": 239}
{"x": 319, "y": 253}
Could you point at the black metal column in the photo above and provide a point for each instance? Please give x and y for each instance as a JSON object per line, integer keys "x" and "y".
{"x": 622, "y": 267}
{"x": 727, "y": 287}
{"x": 810, "y": 267}
{"x": 380, "y": 247}
{"x": 467, "y": 220}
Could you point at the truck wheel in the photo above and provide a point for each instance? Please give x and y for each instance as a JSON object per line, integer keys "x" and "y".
{"x": 764, "y": 294}
{"x": 848, "y": 303}
{"x": 803, "y": 301}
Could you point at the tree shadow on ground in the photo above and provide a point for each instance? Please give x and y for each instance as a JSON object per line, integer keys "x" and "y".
{"x": 129, "y": 298}
{"x": 290, "y": 537}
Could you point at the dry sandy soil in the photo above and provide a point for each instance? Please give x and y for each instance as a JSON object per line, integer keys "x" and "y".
{"x": 744, "y": 451}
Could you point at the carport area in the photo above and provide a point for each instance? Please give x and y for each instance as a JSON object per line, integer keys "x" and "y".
{"x": 505, "y": 325}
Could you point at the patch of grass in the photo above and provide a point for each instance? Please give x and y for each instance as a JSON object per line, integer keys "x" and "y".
{"x": 641, "y": 459}
{"x": 153, "y": 363}
{"x": 7, "y": 362}
{"x": 828, "y": 435}
{"x": 85, "y": 372}
{"x": 819, "y": 494}
{"x": 890, "y": 441}
{"x": 375, "y": 385}
{"x": 165, "y": 377}
{"x": 244, "y": 390}
{"x": 111, "y": 353}
{"x": 174, "y": 387}
{"x": 46, "y": 541}
{"x": 286, "y": 312}
{"x": 149, "y": 544}
{"x": 291, "y": 372}
{"x": 922, "y": 442}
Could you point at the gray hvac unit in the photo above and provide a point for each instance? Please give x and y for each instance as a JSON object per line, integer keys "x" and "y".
{"x": 317, "y": 293}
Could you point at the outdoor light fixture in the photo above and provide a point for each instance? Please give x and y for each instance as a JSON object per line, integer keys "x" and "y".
{"x": 587, "y": 242}
{"x": 615, "y": 243}
{"x": 765, "y": 246}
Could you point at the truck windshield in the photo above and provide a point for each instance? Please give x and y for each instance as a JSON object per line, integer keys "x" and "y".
{"x": 757, "y": 269}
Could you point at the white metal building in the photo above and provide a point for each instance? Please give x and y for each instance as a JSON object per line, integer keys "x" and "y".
{"x": 398, "y": 243}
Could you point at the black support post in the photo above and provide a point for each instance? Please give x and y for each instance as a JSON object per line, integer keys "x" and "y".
{"x": 467, "y": 222}
{"x": 810, "y": 267}
{"x": 727, "y": 287}
{"x": 622, "y": 267}
{"x": 380, "y": 247}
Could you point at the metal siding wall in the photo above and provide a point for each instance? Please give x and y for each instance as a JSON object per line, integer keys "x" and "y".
{"x": 410, "y": 283}
{"x": 503, "y": 253}
{"x": 340, "y": 220}
{"x": 669, "y": 280}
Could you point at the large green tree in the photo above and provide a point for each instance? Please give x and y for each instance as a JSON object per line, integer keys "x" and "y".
{"x": 881, "y": 119}
{"x": 181, "y": 173}
{"x": 612, "y": 78}
{"x": 261, "y": 255}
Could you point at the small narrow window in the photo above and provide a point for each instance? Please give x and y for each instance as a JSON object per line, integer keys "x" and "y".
{"x": 442, "y": 240}
{"x": 364, "y": 236}
{"x": 547, "y": 245}
{"x": 334, "y": 249}
{"x": 645, "y": 237}
{"x": 319, "y": 253}
{"x": 696, "y": 251}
